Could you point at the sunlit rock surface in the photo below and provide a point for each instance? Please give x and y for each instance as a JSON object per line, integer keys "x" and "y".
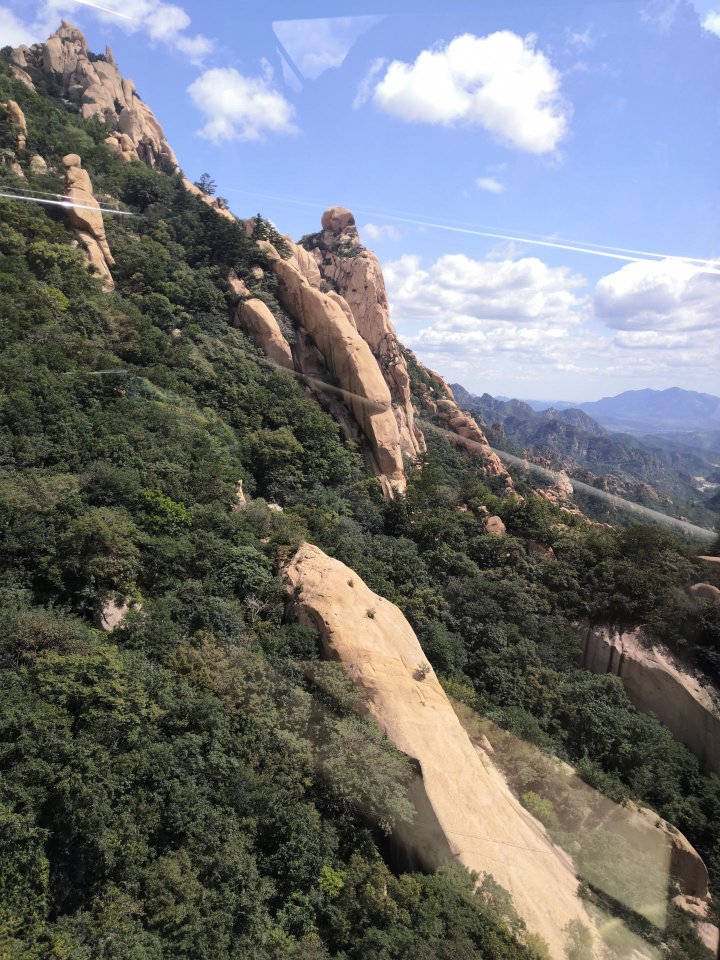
{"x": 98, "y": 89}
{"x": 86, "y": 217}
{"x": 656, "y": 682}
{"x": 472, "y": 815}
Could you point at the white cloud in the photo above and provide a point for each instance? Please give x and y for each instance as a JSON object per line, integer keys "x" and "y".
{"x": 490, "y": 184}
{"x": 317, "y": 45}
{"x": 239, "y": 107}
{"x": 518, "y": 321}
{"x": 12, "y": 31}
{"x": 165, "y": 23}
{"x": 385, "y": 231}
{"x": 659, "y": 295}
{"x": 499, "y": 82}
{"x": 711, "y": 22}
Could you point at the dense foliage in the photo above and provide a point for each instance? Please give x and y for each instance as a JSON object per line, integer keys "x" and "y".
{"x": 198, "y": 784}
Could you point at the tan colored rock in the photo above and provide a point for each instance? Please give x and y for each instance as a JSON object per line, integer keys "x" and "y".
{"x": 343, "y": 304}
{"x": 495, "y": 526}
{"x": 705, "y": 591}
{"x": 469, "y": 813}
{"x": 254, "y": 318}
{"x": 38, "y": 164}
{"x": 239, "y": 500}
{"x": 18, "y": 121}
{"x": 98, "y": 89}
{"x": 17, "y": 73}
{"x": 356, "y": 274}
{"x": 238, "y": 286}
{"x": 85, "y": 216}
{"x": 17, "y": 169}
{"x": 349, "y": 362}
{"x": 112, "y": 610}
{"x": 657, "y": 682}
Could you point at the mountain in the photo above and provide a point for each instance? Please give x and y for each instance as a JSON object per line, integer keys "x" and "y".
{"x": 645, "y": 469}
{"x": 269, "y": 601}
{"x": 652, "y": 411}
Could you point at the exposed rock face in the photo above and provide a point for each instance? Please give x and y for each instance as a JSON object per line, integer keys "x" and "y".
{"x": 348, "y": 360}
{"x": 38, "y": 164}
{"x": 18, "y": 121}
{"x": 254, "y": 318}
{"x": 98, "y": 89}
{"x": 657, "y": 682}
{"x": 439, "y": 400}
{"x": 87, "y": 219}
{"x": 356, "y": 274}
{"x": 112, "y": 610}
{"x": 495, "y": 526}
{"x": 214, "y": 202}
{"x": 475, "y": 818}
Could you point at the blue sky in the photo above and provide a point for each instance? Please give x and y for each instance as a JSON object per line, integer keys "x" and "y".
{"x": 588, "y": 122}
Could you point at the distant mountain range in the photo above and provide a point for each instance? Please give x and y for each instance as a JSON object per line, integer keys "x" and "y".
{"x": 649, "y": 411}
{"x": 679, "y": 468}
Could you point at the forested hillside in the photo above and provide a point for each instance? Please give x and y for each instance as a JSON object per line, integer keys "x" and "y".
{"x": 198, "y": 783}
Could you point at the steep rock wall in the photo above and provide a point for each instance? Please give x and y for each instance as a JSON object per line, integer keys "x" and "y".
{"x": 255, "y": 319}
{"x": 479, "y": 820}
{"x": 85, "y": 216}
{"x": 356, "y": 274}
{"x": 656, "y": 682}
{"x": 17, "y": 121}
{"x": 98, "y": 89}
{"x": 349, "y": 362}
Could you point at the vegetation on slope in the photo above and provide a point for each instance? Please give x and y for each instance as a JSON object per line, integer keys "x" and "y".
{"x": 182, "y": 787}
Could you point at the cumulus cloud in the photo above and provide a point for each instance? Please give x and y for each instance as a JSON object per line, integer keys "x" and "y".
{"x": 12, "y": 31}
{"x": 162, "y": 22}
{"x": 500, "y": 82}
{"x": 490, "y": 184}
{"x": 515, "y": 319}
{"x": 317, "y": 45}
{"x": 711, "y": 22}
{"x": 386, "y": 231}
{"x": 239, "y": 107}
{"x": 659, "y": 295}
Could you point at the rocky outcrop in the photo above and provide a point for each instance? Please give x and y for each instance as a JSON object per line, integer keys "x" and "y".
{"x": 17, "y": 122}
{"x": 705, "y": 591}
{"x": 657, "y": 682}
{"x": 347, "y": 360}
{"x": 38, "y": 164}
{"x": 85, "y": 216}
{"x": 215, "y": 203}
{"x": 495, "y": 526}
{"x": 459, "y": 427}
{"x": 471, "y": 814}
{"x": 96, "y": 87}
{"x": 17, "y": 71}
{"x": 355, "y": 274}
{"x": 254, "y": 318}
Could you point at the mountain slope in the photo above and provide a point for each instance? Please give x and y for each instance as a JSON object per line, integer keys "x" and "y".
{"x": 198, "y": 782}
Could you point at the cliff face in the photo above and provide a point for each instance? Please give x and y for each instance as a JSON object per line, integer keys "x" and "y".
{"x": 356, "y": 275}
{"x": 97, "y": 88}
{"x": 470, "y": 814}
{"x": 657, "y": 683}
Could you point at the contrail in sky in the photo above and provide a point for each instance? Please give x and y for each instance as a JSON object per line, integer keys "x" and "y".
{"x": 99, "y": 6}
{"x": 598, "y": 250}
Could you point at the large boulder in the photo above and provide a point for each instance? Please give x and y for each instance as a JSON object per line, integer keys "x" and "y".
{"x": 705, "y": 591}
{"x": 468, "y": 812}
{"x": 254, "y": 318}
{"x": 86, "y": 217}
{"x": 17, "y": 121}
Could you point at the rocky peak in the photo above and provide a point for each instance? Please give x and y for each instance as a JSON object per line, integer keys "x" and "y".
{"x": 97, "y": 88}
{"x": 355, "y": 273}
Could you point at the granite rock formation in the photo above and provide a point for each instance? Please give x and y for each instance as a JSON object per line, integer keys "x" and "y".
{"x": 355, "y": 273}
{"x": 471, "y": 814}
{"x": 657, "y": 682}
{"x": 86, "y": 217}
{"x": 97, "y": 88}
